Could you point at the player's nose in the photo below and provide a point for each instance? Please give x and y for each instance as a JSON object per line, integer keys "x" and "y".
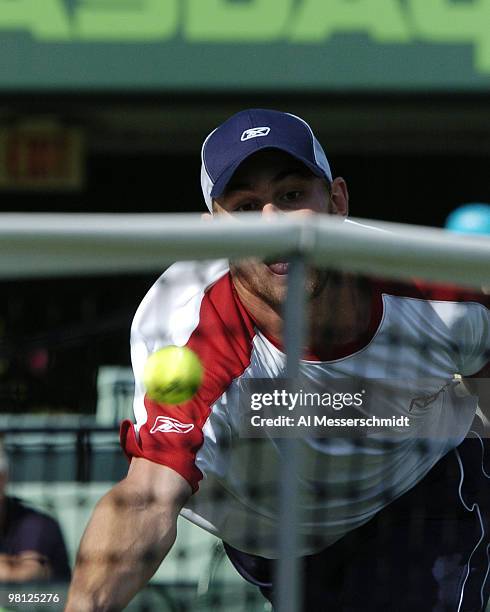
{"x": 270, "y": 209}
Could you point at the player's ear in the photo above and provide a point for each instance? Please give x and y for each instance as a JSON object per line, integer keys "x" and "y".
{"x": 339, "y": 197}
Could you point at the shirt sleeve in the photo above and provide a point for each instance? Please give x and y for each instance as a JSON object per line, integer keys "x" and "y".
{"x": 213, "y": 325}
{"x": 166, "y": 434}
{"x": 170, "y": 436}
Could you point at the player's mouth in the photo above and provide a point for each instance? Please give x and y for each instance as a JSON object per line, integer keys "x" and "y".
{"x": 280, "y": 268}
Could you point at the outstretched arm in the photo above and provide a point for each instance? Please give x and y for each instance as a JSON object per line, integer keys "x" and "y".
{"x": 132, "y": 529}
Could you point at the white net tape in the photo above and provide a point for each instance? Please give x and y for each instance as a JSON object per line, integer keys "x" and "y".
{"x": 62, "y": 244}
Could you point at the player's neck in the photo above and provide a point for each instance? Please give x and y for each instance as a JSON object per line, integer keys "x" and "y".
{"x": 341, "y": 314}
{"x": 338, "y": 315}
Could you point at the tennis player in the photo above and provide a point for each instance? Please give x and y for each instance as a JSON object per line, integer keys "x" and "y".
{"x": 387, "y": 524}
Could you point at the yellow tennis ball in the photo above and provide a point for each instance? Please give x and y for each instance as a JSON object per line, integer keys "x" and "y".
{"x": 172, "y": 375}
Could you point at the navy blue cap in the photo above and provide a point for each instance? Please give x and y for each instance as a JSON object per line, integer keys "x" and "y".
{"x": 250, "y": 131}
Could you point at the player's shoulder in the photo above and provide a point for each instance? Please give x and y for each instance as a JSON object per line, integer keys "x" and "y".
{"x": 188, "y": 299}
{"x": 170, "y": 309}
{"x": 419, "y": 303}
{"x": 195, "y": 305}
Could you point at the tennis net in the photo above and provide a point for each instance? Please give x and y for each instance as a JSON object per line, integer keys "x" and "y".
{"x": 322, "y": 459}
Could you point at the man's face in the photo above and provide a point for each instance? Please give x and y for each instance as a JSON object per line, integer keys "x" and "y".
{"x": 273, "y": 182}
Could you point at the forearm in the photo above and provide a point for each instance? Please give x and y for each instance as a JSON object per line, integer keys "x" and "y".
{"x": 125, "y": 542}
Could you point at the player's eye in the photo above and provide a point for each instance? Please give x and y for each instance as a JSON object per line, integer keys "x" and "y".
{"x": 246, "y": 207}
{"x": 291, "y": 196}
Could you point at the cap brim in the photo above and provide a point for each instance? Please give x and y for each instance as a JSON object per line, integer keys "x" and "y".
{"x": 225, "y": 177}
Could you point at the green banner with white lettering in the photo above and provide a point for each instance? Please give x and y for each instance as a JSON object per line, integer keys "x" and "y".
{"x": 268, "y": 45}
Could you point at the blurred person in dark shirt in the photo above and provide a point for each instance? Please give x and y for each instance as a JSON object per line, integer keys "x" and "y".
{"x": 31, "y": 544}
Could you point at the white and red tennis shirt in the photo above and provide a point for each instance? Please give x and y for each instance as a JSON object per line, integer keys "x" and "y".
{"x": 415, "y": 334}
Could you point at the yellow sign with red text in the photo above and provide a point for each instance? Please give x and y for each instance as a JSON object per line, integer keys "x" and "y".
{"x": 39, "y": 156}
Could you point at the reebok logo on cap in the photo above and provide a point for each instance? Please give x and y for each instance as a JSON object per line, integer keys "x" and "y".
{"x": 255, "y": 133}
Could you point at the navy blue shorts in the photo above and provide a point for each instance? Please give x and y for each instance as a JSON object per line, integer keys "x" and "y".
{"x": 426, "y": 551}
